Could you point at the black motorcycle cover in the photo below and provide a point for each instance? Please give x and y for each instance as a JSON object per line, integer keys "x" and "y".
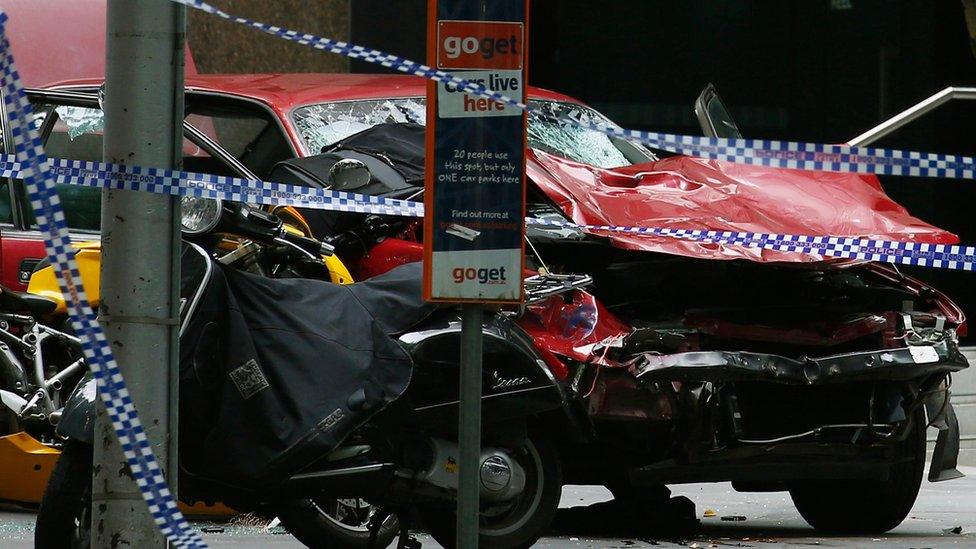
{"x": 276, "y": 373}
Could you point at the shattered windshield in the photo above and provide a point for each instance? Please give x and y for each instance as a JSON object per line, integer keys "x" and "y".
{"x": 550, "y": 132}
{"x": 325, "y": 124}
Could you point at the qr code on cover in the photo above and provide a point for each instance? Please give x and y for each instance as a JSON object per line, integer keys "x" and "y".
{"x": 248, "y": 378}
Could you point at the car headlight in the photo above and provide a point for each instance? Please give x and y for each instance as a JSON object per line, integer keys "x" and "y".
{"x": 199, "y": 215}
{"x": 548, "y": 212}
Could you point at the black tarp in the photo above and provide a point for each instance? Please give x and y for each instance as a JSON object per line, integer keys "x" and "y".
{"x": 394, "y": 154}
{"x": 404, "y": 145}
{"x": 276, "y": 373}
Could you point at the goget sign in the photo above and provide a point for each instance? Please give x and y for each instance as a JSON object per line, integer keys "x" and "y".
{"x": 475, "y": 187}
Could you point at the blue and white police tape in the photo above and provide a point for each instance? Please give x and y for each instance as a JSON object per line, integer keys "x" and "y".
{"x": 177, "y": 183}
{"x": 234, "y": 189}
{"x": 814, "y": 156}
{"x": 40, "y": 184}
{"x": 778, "y": 154}
{"x": 941, "y": 256}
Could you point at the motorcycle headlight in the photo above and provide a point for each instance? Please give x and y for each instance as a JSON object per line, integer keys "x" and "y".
{"x": 199, "y": 215}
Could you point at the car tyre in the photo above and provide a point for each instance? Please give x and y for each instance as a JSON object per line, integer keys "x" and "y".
{"x": 529, "y": 517}
{"x": 64, "y": 517}
{"x": 867, "y": 507}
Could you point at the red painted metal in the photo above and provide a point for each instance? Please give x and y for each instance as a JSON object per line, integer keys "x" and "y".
{"x": 574, "y": 325}
{"x": 14, "y": 248}
{"x": 937, "y": 300}
{"x": 675, "y": 192}
{"x": 692, "y": 193}
{"x": 52, "y": 40}
{"x": 385, "y": 255}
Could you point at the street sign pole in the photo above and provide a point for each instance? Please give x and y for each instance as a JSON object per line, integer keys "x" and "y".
{"x": 469, "y": 426}
{"x": 139, "y": 309}
{"x": 474, "y": 197}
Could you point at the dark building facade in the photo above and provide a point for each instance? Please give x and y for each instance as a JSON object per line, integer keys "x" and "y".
{"x": 221, "y": 46}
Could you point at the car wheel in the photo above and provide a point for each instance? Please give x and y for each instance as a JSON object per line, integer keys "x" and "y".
{"x": 867, "y": 507}
{"x": 515, "y": 524}
{"x": 64, "y": 517}
{"x": 335, "y": 523}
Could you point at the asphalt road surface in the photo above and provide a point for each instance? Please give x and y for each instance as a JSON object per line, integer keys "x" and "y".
{"x": 944, "y": 516}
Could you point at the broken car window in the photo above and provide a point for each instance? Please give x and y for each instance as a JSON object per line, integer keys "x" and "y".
{"x": 325, "y": 124}
{"x": 81, "y": 120}
{"x": 551, "y": 131}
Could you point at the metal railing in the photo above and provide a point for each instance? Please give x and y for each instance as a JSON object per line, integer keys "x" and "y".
{"x": 913, "y": 113}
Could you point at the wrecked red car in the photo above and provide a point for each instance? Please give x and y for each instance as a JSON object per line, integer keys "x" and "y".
{"x": 684, "y": 361}
{"x": 773, "y": 370}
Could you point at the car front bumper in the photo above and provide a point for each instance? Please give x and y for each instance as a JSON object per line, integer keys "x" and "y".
{"x": 902, "y": 379}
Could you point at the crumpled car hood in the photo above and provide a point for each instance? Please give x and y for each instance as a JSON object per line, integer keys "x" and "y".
{"x": 693, "y": 193}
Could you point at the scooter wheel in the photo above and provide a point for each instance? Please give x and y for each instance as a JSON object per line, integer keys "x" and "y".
{"x": 335, "y": 523}
{"x": 523, "y": 521}
{"x": 64, "y": 518}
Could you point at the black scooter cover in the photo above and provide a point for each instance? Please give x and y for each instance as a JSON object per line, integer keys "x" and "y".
{"x": 276, "y": 373}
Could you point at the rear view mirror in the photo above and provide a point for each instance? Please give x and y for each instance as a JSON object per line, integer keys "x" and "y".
{"x": 348, "y": 174}
{"x": 714, "y": 118}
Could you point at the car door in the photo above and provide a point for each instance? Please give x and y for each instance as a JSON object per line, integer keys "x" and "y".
{"x": 64, "y": 119}
{"x": 71, "y": 127}
{"x": 7, "y": 227}
{"x": 247, "y": 131}
{"x": 714, "y": 118}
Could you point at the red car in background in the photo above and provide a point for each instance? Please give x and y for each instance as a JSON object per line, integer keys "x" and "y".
{"x": 774, "y": 370}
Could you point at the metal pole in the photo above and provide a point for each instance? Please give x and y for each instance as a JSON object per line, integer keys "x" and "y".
{"x": 140, "y": 261}
{"x": 469, "y": 427}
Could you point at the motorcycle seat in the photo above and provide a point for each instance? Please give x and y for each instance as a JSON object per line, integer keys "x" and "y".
{"x": 23, "y": 302}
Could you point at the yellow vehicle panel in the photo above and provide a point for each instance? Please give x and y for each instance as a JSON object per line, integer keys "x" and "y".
{"x": 26, "y": 465}
{"x": 89, "y": 258}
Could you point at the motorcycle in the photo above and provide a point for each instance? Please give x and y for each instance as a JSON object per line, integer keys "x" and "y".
{"x": 40, "y": 359}
{"x": 364, "y": 378}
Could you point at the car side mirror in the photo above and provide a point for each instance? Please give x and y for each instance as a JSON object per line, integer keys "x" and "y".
{"x": 348, "y": 174}
{"x": 714, "y": 118}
